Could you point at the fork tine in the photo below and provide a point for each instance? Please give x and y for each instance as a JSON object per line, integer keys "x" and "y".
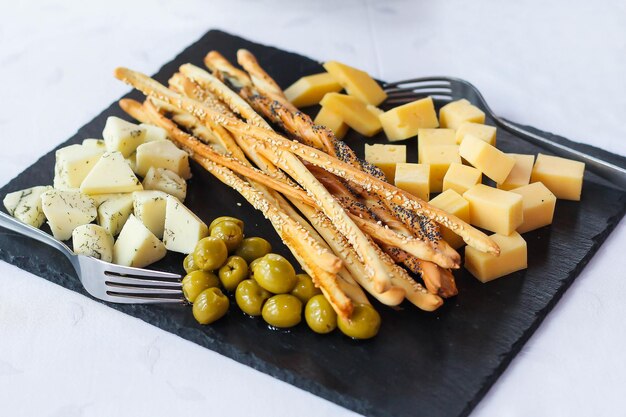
{"x": 112, "y": 269}
{"x": 415, "y": 80}
{"x": 141, "y": 299}
{"x": 423, "y": 92}
{"x": 408, "y": 99}
{"x": 142, "y": 282}
{"x": 148, "y": 291}
{"x": 395, "y": 90}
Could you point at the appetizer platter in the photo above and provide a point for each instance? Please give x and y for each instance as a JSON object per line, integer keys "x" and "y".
{"x": 332, "y": 242}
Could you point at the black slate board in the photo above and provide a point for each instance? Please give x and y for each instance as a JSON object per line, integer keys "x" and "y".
{"x": 430, "y": 364}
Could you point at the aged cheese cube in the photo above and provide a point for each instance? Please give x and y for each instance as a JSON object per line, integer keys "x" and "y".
{"x": 413, "y": 178}
{"x": 183, "y": 229}
{"x": 489, "y": 160}
{"x": 95, "y": 143}
{"x": 564, "y": 177}
{"x": 162, "y": 154}
{"x": 309, "y": 90}
{"x": 404, "y": 121}
{"x": 113, "y": 213}
{"x": 453, "y": 203}
{"x": 461, "y": 178}
{"x": 111, "y": 174}
{"x": 439, "y": 157}
{"x": 149, "y": 207}
{"x": 153, "y": 133}
{"x": 66, "y": 210}
{"x": 122, "y": 136}
{"x": 136, "y": 246}
{"x": 93, "y": 240}
{"x": 520, "y": 174}
{"x": 386, "y": 157}
{"x": 428, "y": 136}
{"x": 356, "y": 82}
{"x": 74, "y": 162}
{"x": 25, "y": 205}
{"x": 496, "y": 210}
{"x": 482, "y": 132}
{"x": 487, "y": 267}
{"x": 353, "y": 112}
{"x": 453, "y": 114}
{"x": 332, "y": 121}
{"x": 538, "y": 204}
{"x": 169, "y": 182}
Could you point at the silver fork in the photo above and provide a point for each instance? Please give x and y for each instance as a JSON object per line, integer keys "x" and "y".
{"x": 106, "y": 281}
{"x": 447, "y": 89}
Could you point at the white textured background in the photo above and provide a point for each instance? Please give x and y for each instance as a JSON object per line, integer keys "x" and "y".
{"x": 559, "y": 66}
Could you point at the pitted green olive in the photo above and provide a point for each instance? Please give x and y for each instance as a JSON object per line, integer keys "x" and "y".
{"x": 210, "y": 305}
{"x": 233, "y": 272}
{"x": 305, "y": 289}
{"x": 282, "y": 310}
{"x": 210, "y": 253}
{"x": 197, "y": 281}
{"x": 250, "y": 297}
{"x": 252, "y": 248}
{"x": 363, "y": 324}
{"x": 275, "y": 274}
{"x": 229, "y": 232}
{"x": 226, "y": 218}
{"x": 319, "y": 315}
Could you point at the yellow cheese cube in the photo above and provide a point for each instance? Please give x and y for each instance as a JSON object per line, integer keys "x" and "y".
{"x": 461, "y": 178}
{"x": 487, "y": 267}
{"x": 482, "y": 132}
{"x": 520, "y": 174}
{"x": 453, "y": 114}
{"x": 429, "y": 136}
{"x": 414, "y": 178}
{"x": 309, "y": 90}
{"x": 451, "y": 202}
{"x": 404, "y": 121}
{"x": 538, "y": 204}
{"x": 495, "y": 210}
{"x": 354, "y": 113}
{"x": 490, "y": 161}
{"x": 332, "y": 121}
{"x": 439, "y": 157}
{"x": 386, "y": 157}
{"x": 564, "y": 177}
{"x": 356, "y": 82}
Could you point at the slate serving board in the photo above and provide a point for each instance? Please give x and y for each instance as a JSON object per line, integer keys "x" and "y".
{"x": 430, "y": 364}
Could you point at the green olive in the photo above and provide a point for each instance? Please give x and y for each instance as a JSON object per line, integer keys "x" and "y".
{"x": 319, "y": 315}
{"x": 305, "y": 289}
{"x": 210, "y": 305}
{"x": 229, "y": 232}
{"x": 275, "y": 274}
{"x": 252, "y": 248}
{"x": 251, "y": 267}
{"x": 210, "y": 253}
{"x": 233, "y": 272}
{"x": 363, "y": 324}
{"x": 250, "y": 297}
{"x": 188, "y": 264}
{"x": 226, "y": 218}
{"x": 282, "y": 310}
{"x": 197, "y": 281}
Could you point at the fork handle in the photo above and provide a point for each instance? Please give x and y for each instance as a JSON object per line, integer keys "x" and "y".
{"x": 611, "y": 172}
{"x": 17, "y": 226}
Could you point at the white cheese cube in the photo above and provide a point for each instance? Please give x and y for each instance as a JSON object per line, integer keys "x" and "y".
{"x": 93, "y": 240}
{"x": 66, "y": 210}
{"x": 113, "y": 213}
{"x": 162, "y": 154}
{"x": 74, "y": 162}
{"x": 95, "y": 143}
{"x": 132, "y": 162}
{"x": 183, "y": 229}
{"x": 25, "y": 205}
{"x": 153, "y": 133}
{"x": 111, "y": 174}
{"x": 122, "y": 136}
{"x": 137, "y": 246}
{"x": 167, "y": 181}
{"x": 101, "y": 198}
{"x": 149, "y": 207}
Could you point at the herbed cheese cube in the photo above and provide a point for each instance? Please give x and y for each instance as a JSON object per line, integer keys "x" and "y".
{"x": 520, "y": 174}
{"x": 452, "y": 202}
{"x": 354, "y": 113}
{"x": 162, "y": 154}
{"x": 487, "y": 267}
{"x": 122, "y": 136}
{"x": 496, "y": 210}
{"x": 137, "y": 246}
{"x": 538, "y": 204}
{"x": 309, "y": 90}
{"x": 169, "y": 182}
{"x": 66, "y": 210}
{"x": 95, "y": 143}
{"x": 183, "y": 229}
{"x": 357, "y": 83}
{"x": 564, "y": 177}
{"x": 414, "y": 178}
{"x": 93, "y": 240}
{"x": 111, "y": 174}
{"x": 114, "y": 212}
{"x": 153, "y": 133}
{"x": 101, "y": 198}
{"x": 149, "y": 207}
{"x": 332, "y": 121}
{"x": 25, "y": 205}
{"x": 452, "y": 115}
{"x": 132, "y": 162}
{"x": 439, "y": 157}
{"x": 404, "y": 121}
{"x": 74, "y": 162}
{"x": 427, "y": 137}
{"x": 386, "y": 157}
{"x": 461, "y": 178}
{"x": 489, "y": 160}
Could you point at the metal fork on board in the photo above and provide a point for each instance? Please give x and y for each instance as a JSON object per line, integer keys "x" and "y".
{"x": 447, "y": 89}
{"x": 107, "y": 281}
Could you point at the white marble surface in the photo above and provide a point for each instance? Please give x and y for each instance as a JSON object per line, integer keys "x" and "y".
{"x": 558, "y": 66}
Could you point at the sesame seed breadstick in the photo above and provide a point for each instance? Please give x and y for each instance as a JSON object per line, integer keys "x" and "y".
{"x": 220, "y": 65}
